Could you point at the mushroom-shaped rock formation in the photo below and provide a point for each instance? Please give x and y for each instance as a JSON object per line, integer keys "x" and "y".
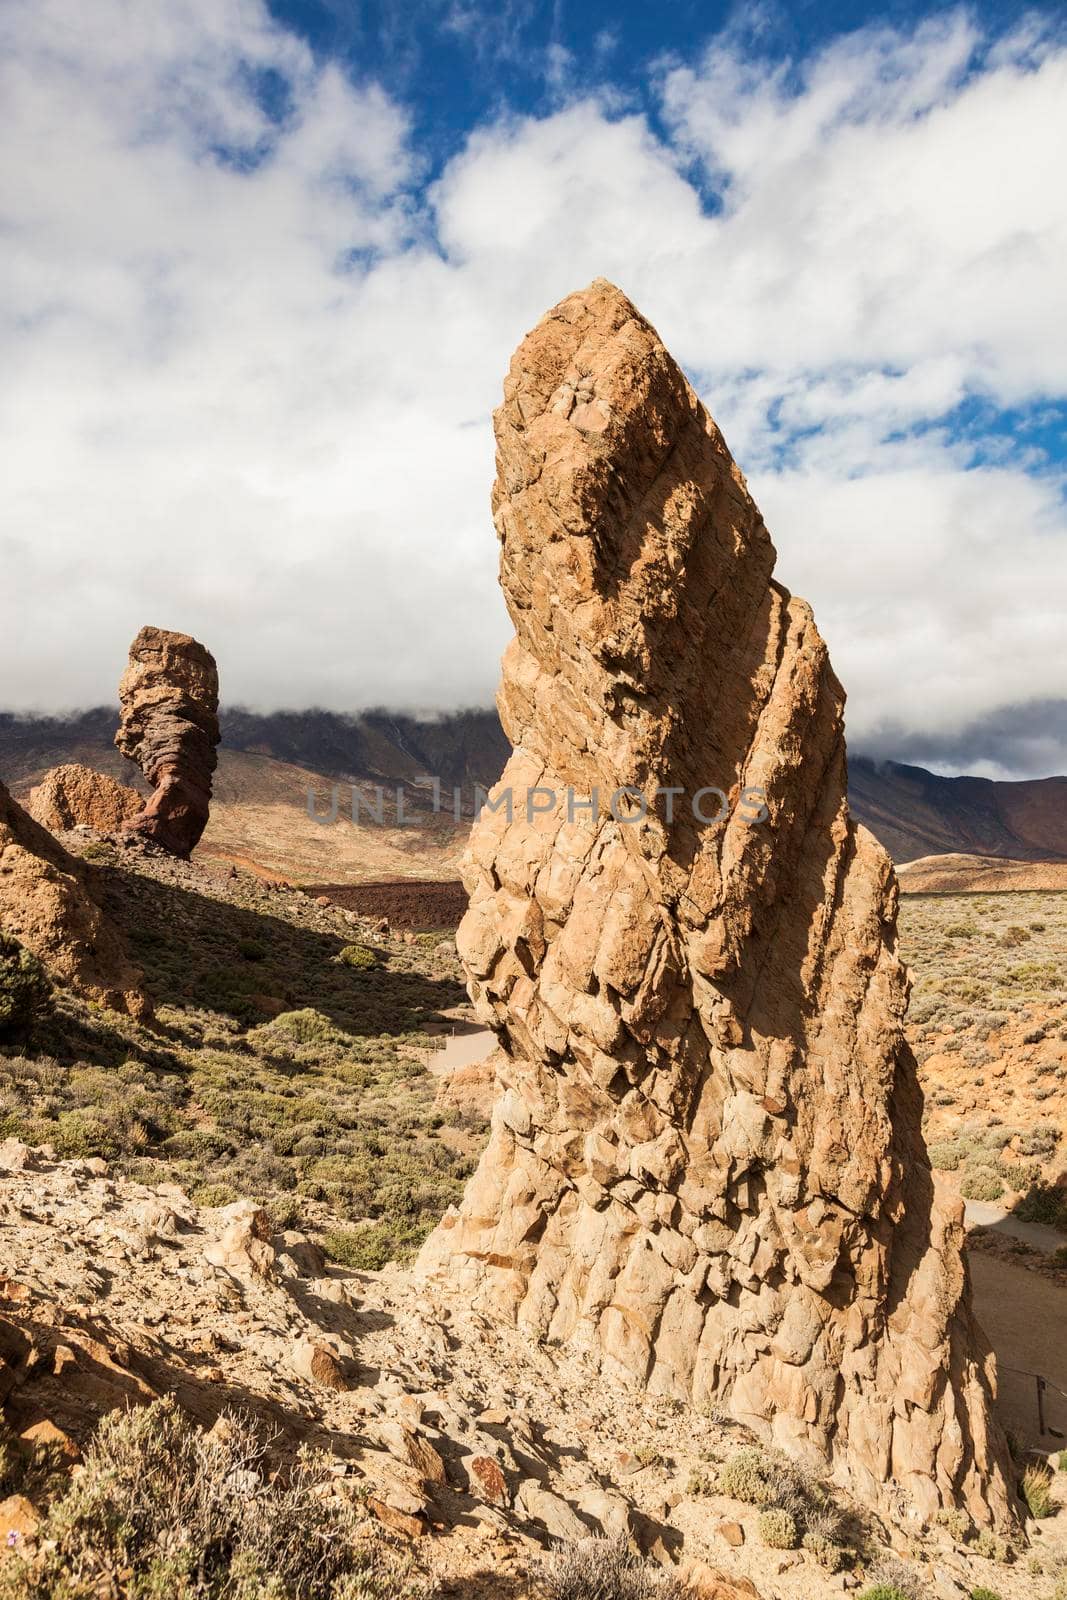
{"x": 74, "y": 796}
{"x": 706, "y": 1165}
{"x": 45, "y": 903}
{"x": 169, "y": 697}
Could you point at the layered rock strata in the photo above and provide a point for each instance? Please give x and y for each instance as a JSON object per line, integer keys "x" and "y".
{"x": 706, "y": 1164}
{"x": 169, "y": 696}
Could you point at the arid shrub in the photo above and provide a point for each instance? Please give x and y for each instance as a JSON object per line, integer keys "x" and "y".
{"x": 1040, "y": 1140}
{"x": 746, "y": 1477}
{"x": 957, "y": 1523}
{"x": 947, "y": 1155}
{"x": 1037, "y": 1492}
{"x": 604, "y": 1569}
{"x": 826, "y": 1552}
{"x": 992, "y": 1546}
{"x": 981, "y": 1183}
{"x": 778, "y": 1529}
{"x": 163, "y": 1509}
{"x": 25, "y": 989}
{"x": 358, "y": 956}
{"x": 1045, "y": 1202}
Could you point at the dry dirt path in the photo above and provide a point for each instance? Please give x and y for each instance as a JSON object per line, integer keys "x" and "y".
{"x": 983, "y": 1214}
{"x": 1024, "y": 1316}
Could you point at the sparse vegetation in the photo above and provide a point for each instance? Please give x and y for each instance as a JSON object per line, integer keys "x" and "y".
{"x": 747, "y": 1477}
{"x": 956, "y": 1523}
{"x": 795, "y": 1508}
{"x": 358, "y": 956}
{"x": 163, "y": 1509}
{"x": 778, "y": 1529}
{"x": 981, "y": 1183}
{"x": 992, "y": 1546}
{"x": 278, "y": 1073}
{"x": 988, "y": 1023}
{"x": 605, "y": 1569}
{"x": 1037, "y": 1491}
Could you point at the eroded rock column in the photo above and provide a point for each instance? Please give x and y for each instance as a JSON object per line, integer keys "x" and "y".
{"x": 169, "y": 697}
{"x": 706, "y": 1164}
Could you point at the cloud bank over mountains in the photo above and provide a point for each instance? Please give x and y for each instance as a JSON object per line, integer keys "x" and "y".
{"x": 250, "y": 349}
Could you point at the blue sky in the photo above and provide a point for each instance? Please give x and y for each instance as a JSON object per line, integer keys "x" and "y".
{"x": 266, "y": 262}
{"x": 460, "y": 64}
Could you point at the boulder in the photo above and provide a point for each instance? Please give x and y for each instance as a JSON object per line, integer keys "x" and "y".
{"x": 706, "y": 1165}
{"x": 73, "y": 796}
{"x": 46, "y": 904}
{"x": 169, "y": 698}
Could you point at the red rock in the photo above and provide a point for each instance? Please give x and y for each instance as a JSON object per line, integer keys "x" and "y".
{"x": 404, "y": 1522}
{"x": 488, "y": 1480}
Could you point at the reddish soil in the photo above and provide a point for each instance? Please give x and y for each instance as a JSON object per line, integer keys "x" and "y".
{"x": 419, "y": 903}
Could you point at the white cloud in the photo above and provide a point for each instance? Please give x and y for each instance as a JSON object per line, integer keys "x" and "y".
{"x": 249, "y": 363}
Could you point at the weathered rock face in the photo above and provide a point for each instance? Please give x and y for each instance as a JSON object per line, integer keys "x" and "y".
{"x": 169, "y": 697}
{"x": 44, "y": 902}
{"x": 74, "y": 796}
{"x": 706, "y": 1163}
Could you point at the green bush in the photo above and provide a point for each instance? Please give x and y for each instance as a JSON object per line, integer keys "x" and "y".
{"x": 364, "y": 1250}
{"x": 214, "y": 1194}
{"x": 883, "y": 1591}
{"x": 25, "y": 989}
{"x": 358, "y": 956}
{"x": 981, "y": 1593}
{"x": 778, "y": 1529}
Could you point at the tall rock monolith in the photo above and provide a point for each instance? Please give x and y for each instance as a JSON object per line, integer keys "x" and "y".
{"x": 706, "y": 1165}
{"x": 169, "y": 700}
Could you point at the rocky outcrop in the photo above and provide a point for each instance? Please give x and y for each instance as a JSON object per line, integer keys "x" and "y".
{"x": 74, "y": 796}
{"x": 706, "y": 1164}
{"x": 169, "y": 696}
{"x": 45, "y": 903}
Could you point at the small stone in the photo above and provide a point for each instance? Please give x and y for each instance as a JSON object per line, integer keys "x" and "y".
{"x": 488, "y": 1481}
{"x": 732, "y": 1532}
{"x": 412, "y": 1527}
{"x": 316, "y": 1364}
{"x": 16, "y": 1156}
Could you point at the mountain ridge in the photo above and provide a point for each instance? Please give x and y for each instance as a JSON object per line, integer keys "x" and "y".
{"x": 914, "y": 812}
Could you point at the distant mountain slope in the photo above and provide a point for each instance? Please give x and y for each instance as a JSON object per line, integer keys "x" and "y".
{"x": 914, "y": 812}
